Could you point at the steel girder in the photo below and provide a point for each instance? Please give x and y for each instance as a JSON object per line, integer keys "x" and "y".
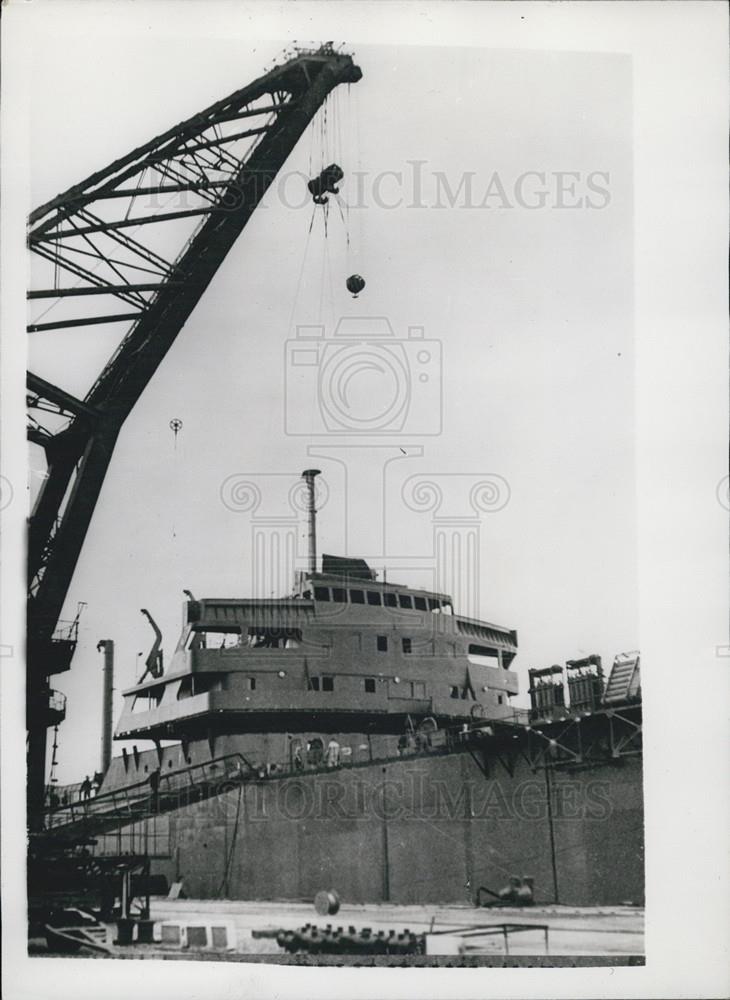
{"x": 581, "y": 741}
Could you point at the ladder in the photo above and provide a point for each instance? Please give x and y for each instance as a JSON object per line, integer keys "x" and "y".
{"x": 625, "y": 680}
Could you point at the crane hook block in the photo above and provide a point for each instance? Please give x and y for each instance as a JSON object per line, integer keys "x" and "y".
{"x": 326, "y": 183}
{"x": 355, "y": 284}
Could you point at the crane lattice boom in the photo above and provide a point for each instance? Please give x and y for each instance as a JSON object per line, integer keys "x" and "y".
{"x": 144, "y": 269}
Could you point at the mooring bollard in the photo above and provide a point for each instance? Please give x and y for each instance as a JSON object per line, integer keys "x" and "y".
{"x": 145, "y": 932}
{"x": 125, "y": 929}
{"x": 326, "y": 902}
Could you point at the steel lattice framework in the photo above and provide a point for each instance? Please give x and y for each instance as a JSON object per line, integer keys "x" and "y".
{"x": 137, "y": 244}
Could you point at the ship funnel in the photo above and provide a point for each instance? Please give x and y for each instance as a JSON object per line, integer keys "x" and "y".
{"x": 106, "y": 721}
{"x": 308, "y": 476}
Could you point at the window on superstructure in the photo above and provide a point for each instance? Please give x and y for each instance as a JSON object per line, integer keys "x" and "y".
{"x": 405, "y": 600}
{"x": 221, "y": 639}
{"x": 328, "y": 683}
{"x": 199, "y": 684}
{"x": 156, "y": 695}
{"x": 357, "y": 596}
{"x": 420, "y": 603}
{"x": 374, "y": 598}
{"x": 390, "y": 600}
{"x": 339, "y": 594}
{"x": 321, "y": 593}
{"x": 434, "y": 604}
{"x": 382, "y": 643}
{"x": 314, "y": 683}
{"x": 500, "y": 699}
{"x": 407, "y": 645}
{"x": 454, "y": 691}
{"x": 487, "y": 655}
{"x": 370, "y": 685}
{"x": 202, "y": 683}
{"x": 264, "y": 637}
{"x": 251, "y": 683}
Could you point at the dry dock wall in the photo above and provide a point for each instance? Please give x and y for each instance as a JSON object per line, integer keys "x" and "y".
{"x": 415, "y": 830}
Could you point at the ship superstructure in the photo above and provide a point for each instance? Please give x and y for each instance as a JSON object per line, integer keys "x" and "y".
{"x": 344, "y": 653}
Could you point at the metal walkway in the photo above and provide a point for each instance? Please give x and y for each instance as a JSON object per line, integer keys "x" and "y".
{"x": 131, "y": 803}
{"x": 550, "y": 744}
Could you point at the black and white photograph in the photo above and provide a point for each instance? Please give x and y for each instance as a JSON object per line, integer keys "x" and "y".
{"x": 364, "y": 495}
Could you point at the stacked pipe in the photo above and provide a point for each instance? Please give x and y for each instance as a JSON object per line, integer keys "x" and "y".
{"x": 329, "y": 941}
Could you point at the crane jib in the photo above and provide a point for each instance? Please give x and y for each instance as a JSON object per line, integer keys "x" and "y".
{"x": 196, "y": 156}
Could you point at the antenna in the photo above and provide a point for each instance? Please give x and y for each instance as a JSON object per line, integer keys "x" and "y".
{"x": 308, "y": 476}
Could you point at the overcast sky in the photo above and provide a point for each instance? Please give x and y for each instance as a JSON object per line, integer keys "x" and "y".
{"x": 525, "y": 281}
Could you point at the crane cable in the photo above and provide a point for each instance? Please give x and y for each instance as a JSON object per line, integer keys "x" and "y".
{"x": 305, "y": 252}
{"x": 176, "y": 426}
{"x": 325, "y": 146}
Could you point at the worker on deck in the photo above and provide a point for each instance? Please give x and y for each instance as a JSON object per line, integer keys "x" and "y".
{"x": 155, "y": 789}
{"x": 333, "y": 753}
{"x": 86, "y": 789}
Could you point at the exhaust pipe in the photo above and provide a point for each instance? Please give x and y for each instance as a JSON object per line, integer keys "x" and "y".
{"x": 309, "y": 476}
{"x": 106, "y": 718}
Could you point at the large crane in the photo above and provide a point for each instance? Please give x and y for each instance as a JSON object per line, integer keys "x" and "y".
{"x": 215, "y": 168}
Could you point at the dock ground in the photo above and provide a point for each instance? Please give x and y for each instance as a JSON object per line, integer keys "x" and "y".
{"x": 572, "y": 930}
{"x": 585, "y": 934}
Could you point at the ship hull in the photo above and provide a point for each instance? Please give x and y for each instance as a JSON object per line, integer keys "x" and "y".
{"x": 429, "y": 828}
